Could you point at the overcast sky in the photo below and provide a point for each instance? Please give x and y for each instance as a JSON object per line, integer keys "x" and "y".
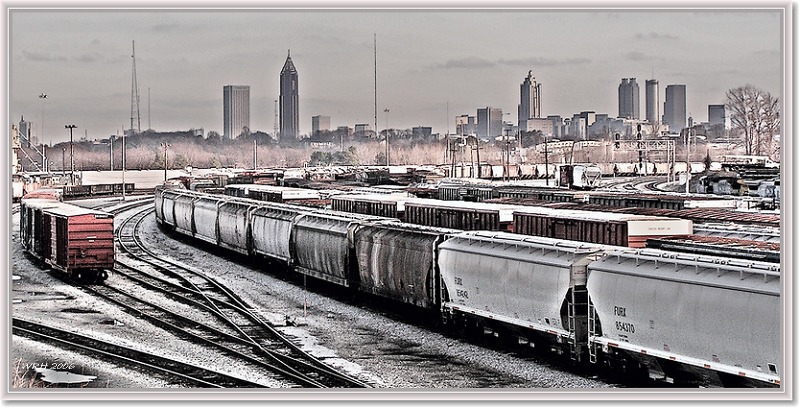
{"x": 432, "y": 65}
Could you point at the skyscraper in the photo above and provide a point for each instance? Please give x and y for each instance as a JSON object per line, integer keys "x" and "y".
{"x": 235, "y": 110}
{"x": 675, "y": 108}
{"x": 651, "y": 101}
{"x": 716, "y": 115}
{"x": 320, "y": 123}
{"x": 490, "y": 122}
{"x": 289, "y": 103}
{"x": 629, "y": 98}
{"x": 530, "y": 100}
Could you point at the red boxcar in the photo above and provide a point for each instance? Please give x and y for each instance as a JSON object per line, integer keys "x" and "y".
{"x": 76, "y": 240}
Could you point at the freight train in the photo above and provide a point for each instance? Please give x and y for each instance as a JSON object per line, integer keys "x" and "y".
{"x": 666, "y": 314}
{"x": 75, "y": 240}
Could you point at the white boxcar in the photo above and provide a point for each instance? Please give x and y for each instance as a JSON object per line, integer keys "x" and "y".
{"x": 519, "y": 280}
{"x": 708, "y": 312}
{"x": 234, "y": 225}
{"x": 271, "y": 229}
{"x": 205, "y": 218}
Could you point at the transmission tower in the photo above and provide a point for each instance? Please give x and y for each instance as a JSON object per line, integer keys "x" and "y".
{"x": 136, "y": 120}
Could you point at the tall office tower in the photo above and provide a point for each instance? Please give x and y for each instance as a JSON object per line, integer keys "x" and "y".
{"x": 716, "y": 115}
{"x": 675, "y": 108}
{"x": 530, "y": 100}
{"x": 235, "y": 110}
{"x": 490, "y": 122}
{"x": 629, "y": 98}
{"x": 320, "y": 123}
{"x": 289, "y": 103}
{"x": 25, "y": 130}
{"x": 651, "y": 101}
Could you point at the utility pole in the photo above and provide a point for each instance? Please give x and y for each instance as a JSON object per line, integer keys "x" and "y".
{"x": 165, "y": 145}
{"x": 387, "y": 135}
{"x": 71, "y": 155}
{"x": 43, "y": 97}
{"x": 123, "y": 166}
{"x": 688, "y": 164}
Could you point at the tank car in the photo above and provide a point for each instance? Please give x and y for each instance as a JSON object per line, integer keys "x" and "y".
{"x": 679, "y": 314}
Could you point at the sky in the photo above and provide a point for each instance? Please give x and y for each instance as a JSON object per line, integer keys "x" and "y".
{"x": 432, "y": 64}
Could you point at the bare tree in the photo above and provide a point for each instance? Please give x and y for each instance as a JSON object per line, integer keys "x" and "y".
{"x": 756, "y": 114}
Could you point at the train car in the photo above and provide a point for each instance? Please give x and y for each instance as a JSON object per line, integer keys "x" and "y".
{"x": 33, "y": 228}
{"x": 203, "y": 213}
{"x": 597, "y": 227}
{"x": 321, "y": 245}
{"x": 382, "y": 205}
{"x": 83, "y": 242}
{"x": 46, "y": 193}
{"x": 535, "y": 287}
{"x": 164, "y": 204}
{"x": 729, "y": 230}
{"x": 279, "y": 194}
{"x": 674, "y": 312}
{"x": 718, "y": 246}
{"x": 579, "y": 176}
{"x": 233, "y": 225}
{"x": 460, "y": 215}
{"x": 398, "y": 261}
{"x": 271, "y": 231}
{"x": 75, "y": 240}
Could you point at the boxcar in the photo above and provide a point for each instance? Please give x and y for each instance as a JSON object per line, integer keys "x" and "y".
{"x": 381, "y": 205}
{"x": 597, "y": 227}
{"x": 460, "y": 215}
{"x": 689, "y": 309}
{"x": 82, "y": 241}
{"x": 398, "y": 261}
{"x": 535, "y": 286}
{"x": 33, "y": 227}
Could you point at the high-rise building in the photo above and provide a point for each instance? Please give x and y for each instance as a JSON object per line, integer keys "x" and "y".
{"x": 675, "y": 107}
{"x": 320, "y": 123}
{"x": 651, "y": 101}
{"x": 289, "y": 103}
{"x": 629, "y": 98}
{"x": 235, "y": 110}
{"x": 530, "y": 100}
{"x": 716, "y": 115}
{"x": 490, "y": 122}
{"x": 26, "y": 132}
{"x": 466, "y": 125}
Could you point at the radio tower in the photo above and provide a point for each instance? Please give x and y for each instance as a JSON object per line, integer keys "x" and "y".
{"x": 136, "y": 120}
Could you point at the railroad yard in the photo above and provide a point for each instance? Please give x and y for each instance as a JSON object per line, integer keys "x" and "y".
{"x": 182, "y": 312}
{"x": 372, "y": 347}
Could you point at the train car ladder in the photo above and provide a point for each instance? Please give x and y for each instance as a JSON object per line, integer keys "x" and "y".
{"x": 592, "y": 349}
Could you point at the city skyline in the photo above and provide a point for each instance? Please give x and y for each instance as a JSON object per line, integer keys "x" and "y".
{"x": 429, "y": 70}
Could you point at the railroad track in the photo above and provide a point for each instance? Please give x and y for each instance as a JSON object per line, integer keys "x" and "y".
{"x": 174, "y": 370}
{"x": 232, "y": 327}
